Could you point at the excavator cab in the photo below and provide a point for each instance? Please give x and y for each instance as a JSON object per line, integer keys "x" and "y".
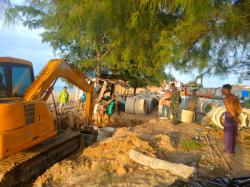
{"x": 16, "y": 76}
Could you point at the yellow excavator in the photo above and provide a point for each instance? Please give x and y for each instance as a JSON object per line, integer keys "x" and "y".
{"x": 29, "y": 141}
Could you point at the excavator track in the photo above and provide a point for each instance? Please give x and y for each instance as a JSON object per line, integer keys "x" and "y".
{"x": 22, "y": 166}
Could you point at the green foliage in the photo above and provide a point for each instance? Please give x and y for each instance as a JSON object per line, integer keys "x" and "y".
{"x": 247, "y": 103}
{"x": 189, "y": 144}
{"x": 137, "y": 39}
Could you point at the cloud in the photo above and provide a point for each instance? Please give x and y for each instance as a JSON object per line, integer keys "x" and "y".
{"x": 21, "y": 42}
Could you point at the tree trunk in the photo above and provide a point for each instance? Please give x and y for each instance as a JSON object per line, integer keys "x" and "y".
{"x": 135, "y": 90}
{"x": 98, "y": 67}
{"x": 179, "y": 170}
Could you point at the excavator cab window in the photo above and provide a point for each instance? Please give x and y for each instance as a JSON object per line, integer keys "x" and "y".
{"x": 21, "y": 80}
{"x": 15, "y": 78}
{"x": 4, "y": 81}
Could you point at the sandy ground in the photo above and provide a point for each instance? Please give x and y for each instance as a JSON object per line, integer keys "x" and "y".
{"x": 106, "y": 162}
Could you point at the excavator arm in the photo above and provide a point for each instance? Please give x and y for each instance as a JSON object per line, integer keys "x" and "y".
{"x": 41, "y": 87}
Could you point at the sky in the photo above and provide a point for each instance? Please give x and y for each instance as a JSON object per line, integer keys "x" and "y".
{"x": 20, "y": 42}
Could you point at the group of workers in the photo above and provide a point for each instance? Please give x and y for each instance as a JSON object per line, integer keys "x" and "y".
{"x": 102, "y": 108}
{"x": 170, "y": 101}
{"x": 170, "y": 106}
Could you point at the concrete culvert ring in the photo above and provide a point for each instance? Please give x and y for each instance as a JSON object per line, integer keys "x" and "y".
{"x": 222, "y": 119}
{"x": 187, "y": 116}
{"x": 140, "y": 106}
{"x": 149, "y": 104}
{"x": 160, "y": 109}
{"x": 219, "y": 118}
{"x": 155, "y": 101}
{"x": 247, "y": 113}
{"x": 130, "y": 105}
{"x": 210, "y": 108}
{"x": 247, "y": 122}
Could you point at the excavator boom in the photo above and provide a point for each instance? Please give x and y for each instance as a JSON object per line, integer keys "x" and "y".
{"x": 39, "y": 90}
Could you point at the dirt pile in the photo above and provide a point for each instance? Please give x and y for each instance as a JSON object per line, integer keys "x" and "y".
{"x": 114, "y": 151}
{"x": 107, "y": 161}
{"x": 164, "y": 143}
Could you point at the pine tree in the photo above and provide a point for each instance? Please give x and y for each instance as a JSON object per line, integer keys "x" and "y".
{"x": 137, "y": 39}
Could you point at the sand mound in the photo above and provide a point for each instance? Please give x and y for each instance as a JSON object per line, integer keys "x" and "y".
{"x": 164, "y": 143}
{"x": 60, "y": 171}
{"x": 115, "y": 150}
{"x": 106, "y": 159}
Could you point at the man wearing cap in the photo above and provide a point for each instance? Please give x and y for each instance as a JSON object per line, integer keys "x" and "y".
{"x": 193, "y": 100}
{"x": 175, "y": 101}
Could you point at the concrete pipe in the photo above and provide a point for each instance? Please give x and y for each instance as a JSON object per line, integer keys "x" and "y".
{"x": 149, "y": 104}
{"x": 201, "y": 102}
{"x": 160, "y": 109}
{"x": 247, "y": 113}
{"x": 209, "y": 107}
{"x": 219, "y": 118}
{"x": 130, "y": 105}
{"x": 140, "y": 106}
{"x": 187, "y": 116}
{"x": 155, "y": 101}
{"x": 245, "y": 122}
{"x": 215, "y": 114}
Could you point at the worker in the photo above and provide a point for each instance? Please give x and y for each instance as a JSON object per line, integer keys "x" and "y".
{"x": 63, "y": 98}
{"x": 99, "y": 113}
{"x": 110, "y": 108}
{"x": 82, "y": 101}
{"x": 165, "y": 101}
{"x": 193, "y": 100}
{"x": 233, "y": 111}
{"x": 175, "y": 100}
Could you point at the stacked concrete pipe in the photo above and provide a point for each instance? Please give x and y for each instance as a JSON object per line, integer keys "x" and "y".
{"x": 247, "y": 113}
{"x": 209, "y": 106}
{"x": 130, "y": 103}
{"x": 219, "y": 116}
{"x": 138, "y": 105}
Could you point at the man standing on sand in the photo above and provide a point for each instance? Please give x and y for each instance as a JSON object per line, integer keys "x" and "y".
{"x": 63, "y": 98}
{"x": 165, "y": 101}
{"x": 233, "y": 111}
{"x": 174, "y": 103}
{"x": 193, "y": 100}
